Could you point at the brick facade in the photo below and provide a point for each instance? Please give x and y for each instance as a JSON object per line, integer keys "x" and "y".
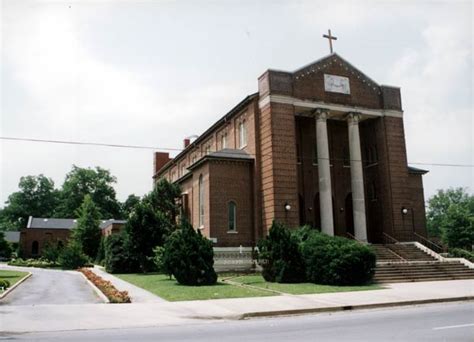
{"x": 278, "y": 166}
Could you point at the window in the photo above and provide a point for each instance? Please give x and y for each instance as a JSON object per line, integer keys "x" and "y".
{"x": 224, "y": 140}
{"x": 208, "y": 149}
{"x": 242, "y": 134}
{"x": 346, "y": 157}
{"x": 232, "y": 216}
{"x": 201, "y": 202}
{"x": 183, "y": 169}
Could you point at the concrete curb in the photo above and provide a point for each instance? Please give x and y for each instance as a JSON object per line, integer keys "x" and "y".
{"x": 351, "y": 307}
{"x": 10, "y": 289}
{"x": 96, "y": 289}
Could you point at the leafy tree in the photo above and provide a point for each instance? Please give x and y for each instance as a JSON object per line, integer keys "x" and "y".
{"x": 72, "y": 257}
{"x": 146, "y": 228}
{"x": 280, "y": 256}
{"x": 98, "y": 183}
{"x": 87, "y": 233}
{"x": 130, "y": 203}
{"x": 438, "y": 206}
{"x": 117, "y": 256}
{"x": 36, "y": 197}
{"x": 189, "y": 257}
{"x": 458, "y": 226}
{"x": 5, "y": 248}
{"x": 51, "y": 251}
{"x": 164, "y": 198}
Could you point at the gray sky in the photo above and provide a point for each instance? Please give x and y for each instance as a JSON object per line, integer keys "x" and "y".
{"x": 152, "y": 72}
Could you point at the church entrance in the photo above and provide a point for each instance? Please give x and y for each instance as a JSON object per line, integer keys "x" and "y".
{"x": 349, "y": 214}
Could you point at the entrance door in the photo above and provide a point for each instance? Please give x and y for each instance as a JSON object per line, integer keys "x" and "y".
{"x": 349, "y": 214}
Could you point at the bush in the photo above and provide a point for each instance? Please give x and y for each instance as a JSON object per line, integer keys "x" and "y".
{"x": 40, "y": 263}
{"x": 189, "y": 257}
{"x": 5, "y": 248}
{"x": 51, "y": 251}
{"x": 117, "y": 255}
{"x": 158, "y": 259}
{"x": 335, "y": 260}
{"x": 5, "y": 284}
{"x": 72, "y": 257}
{"x": 101, "y": 251}
{"x": 280, "y": 257}
{"x": 461, "y": 253}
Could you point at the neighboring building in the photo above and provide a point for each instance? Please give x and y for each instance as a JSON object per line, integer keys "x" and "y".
{"x": 323, "y": 145}
{"x": 41, "y": 231}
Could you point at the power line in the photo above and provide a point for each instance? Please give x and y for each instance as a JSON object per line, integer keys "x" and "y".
{"x": 83, "y": 143}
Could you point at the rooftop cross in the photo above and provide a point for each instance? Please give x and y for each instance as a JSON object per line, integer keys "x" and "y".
{"x": 330, "y": 38}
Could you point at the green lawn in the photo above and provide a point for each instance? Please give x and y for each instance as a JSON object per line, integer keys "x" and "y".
{"x": 12, "y": 276}
{"x": 301, "y": 288}
{"x": 169, "y": 289}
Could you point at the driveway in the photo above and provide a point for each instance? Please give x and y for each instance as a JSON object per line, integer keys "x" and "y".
{"x": 50, "y": 287}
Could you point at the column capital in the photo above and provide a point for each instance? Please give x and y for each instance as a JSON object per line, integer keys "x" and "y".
{"x": 321, "y": 114}
{"x": 353, "y": 118}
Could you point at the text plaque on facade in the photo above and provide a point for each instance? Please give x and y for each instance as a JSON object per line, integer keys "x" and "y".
{"x": 336, "y": 84}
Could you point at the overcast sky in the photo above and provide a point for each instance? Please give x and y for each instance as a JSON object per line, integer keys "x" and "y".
{"x": 152, "y": 72}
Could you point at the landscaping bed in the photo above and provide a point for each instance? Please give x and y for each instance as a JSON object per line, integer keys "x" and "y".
{"x": 10, "y": 278}
{"x": 114, "y": 295}
{"x": 169, "y": 289}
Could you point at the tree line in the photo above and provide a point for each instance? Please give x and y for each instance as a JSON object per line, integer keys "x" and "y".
{"x": 38, "y": 197}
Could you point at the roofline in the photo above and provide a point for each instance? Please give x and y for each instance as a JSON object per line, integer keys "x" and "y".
{"x": 202, "y": 137}
{"x": 417, "y": 171}
{"x": 210, "y": 157}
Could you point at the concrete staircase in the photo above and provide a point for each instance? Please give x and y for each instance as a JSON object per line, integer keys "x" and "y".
{"x": 399, "y": 263}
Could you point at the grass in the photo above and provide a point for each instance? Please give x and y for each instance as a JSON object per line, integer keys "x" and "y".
{"x": 12, "y": 276}
{"x": 169, "y": 289}
{"x": 257, "y": 280}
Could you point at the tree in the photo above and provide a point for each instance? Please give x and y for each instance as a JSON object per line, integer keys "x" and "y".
{"x": 189, "y": 257}
{"x": 36, "y": 197}
{"x": 146, "y": 228}
{"x": 438, "y": 206}
{"x": 98, "y": 183}
{"x": 280, "y": 255}
{"x": 117, "y": 256}
{"x": 72, "y": 257}
{"x": 458, "y": 226}
{"x": 164, "y": 198}
{"x": 87, "y": 233}
{"x": 5, "y": 248}
{"x": 130, "y": 203}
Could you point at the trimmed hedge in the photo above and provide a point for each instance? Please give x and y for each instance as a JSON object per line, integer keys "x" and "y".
{"x": 282, "y": 261}
{"x": 5, "y": 284}
{"x": 305, "y": 254}
{"x": 189, "y": 257}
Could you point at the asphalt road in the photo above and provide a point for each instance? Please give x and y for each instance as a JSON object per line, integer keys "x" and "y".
{"x": 51, "y": 287}
{"x": 435, "y": 322}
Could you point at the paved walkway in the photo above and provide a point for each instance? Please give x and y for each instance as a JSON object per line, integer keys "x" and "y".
{"x": 137, "y": 294}
{"x": 50, "y": 287}
{"x": 115, "y": 316}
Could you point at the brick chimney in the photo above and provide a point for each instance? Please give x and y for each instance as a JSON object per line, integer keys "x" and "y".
{"x": 186, "y": 142}
{"x": 159, "y": 160}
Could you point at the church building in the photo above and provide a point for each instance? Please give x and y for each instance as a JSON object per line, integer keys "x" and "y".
{"x": 323, "y": 146}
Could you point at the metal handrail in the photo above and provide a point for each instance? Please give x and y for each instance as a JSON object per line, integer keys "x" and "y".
{"x": 390, "y": 238}
{"x": 439, "y": 248}
{"x": 353, "y": 237}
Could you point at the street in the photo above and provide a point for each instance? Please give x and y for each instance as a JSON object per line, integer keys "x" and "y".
{"x": 434, "y": 322}
{"x": 51, "y": 287}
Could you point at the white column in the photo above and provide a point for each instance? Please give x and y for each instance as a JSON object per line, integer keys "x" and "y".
{"x": 357, "y": 178}
{"x": 325, "y": 189}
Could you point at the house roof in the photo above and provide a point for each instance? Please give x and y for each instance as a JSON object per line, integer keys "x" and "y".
{"x": 205, "y": 135}
{"x": 224, "y": 154}
{"x": 51, "y": 223}
{"x": 62, "y": 223}
{"x": 416, "y": 170}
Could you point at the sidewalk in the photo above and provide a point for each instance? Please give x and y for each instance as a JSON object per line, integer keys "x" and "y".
{"x": 109, "y": 316}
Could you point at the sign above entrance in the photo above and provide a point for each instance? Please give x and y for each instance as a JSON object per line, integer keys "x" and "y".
{"x": 336, "y": 84}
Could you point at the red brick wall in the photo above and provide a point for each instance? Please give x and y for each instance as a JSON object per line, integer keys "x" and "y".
{"x": 28, "y": 235}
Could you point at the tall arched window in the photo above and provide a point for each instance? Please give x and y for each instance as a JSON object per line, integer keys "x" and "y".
{"x": 201, "y": 202}
{"x": 34, "y": 248}
{"x": 242, "y": 134}
{"x": 232, "y": 224}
